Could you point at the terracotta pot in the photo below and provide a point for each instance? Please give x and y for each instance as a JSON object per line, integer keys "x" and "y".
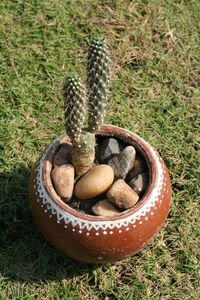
{"x": 100, "y": 239}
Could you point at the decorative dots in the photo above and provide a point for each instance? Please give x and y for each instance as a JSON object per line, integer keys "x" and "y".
{"x": 87, "y": 233}
{"x": 140, "y": 222}
{"x": 120, "y": 231}
{"x": 100, "y": 257}
{"x": 152, "y": 213}
{"x": 45, "y": 211}
{"x": 35, "y": 193}
{"x": 111, "y": 232}
{"x": 58, "y": 221}
{"x": 50, "y": 216}
{"x": 127, "y": 229}
{"x": 42, "y": 205}
{"x": 104, "y": 232}
{"x": 146, "y": 218}
{"x": 80, "y": 231}
{"x": 97, "y": 233}
{"x": 34, "y": 186}
{"x": 38, "y": 200}
{"x": 134, "y": 226}
{"x": 73, "y": 229}
{"x": 65, "y": 226}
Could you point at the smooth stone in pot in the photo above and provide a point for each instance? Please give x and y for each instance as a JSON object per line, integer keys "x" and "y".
{"x": 139, "y": 167}
{"x": 104, "y": 208}
{"x": 139, "y": 183}
{"x": 122, "y": 195}
{"x": 95, "y": 182}
{"x": 63, "y": 180}
{"x": 123, "y": 163}
{"x": 109, "y": 148}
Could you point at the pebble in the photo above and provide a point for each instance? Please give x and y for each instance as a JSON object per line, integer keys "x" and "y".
{"x": 104, "y": 208}
{"x": 139, "y": 183}
{"x": 122, "y": 195}
{"x": 109, "y": 148}
{"x": 95, "y": 182}
{"x": 140, "y": 166}
{"x": 63, "y": 180}
{"x": 123, "y": 163}
{"x": 64, "y": 155}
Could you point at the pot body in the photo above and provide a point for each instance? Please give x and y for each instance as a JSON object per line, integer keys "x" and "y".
{"x": 100, "y": 239}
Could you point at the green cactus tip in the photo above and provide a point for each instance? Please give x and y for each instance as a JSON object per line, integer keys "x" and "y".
{"x": 98, "y": 69}
{"x": 74, "y": 106}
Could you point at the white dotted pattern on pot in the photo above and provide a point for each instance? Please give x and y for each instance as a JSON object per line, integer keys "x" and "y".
{"x": 105, "y": 227}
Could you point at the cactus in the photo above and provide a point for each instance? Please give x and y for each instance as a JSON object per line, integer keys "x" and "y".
{"x": 74, "y": 106}
{"x": 75, "y": 114}
{"x": 98, "y": 79}
{"x": 83, "y": 139}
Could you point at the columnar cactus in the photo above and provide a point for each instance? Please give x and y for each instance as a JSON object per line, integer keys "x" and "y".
{"x": 83, "y": 140}
{"x": 75, "y": 114}
{"x": 74, "y": 106}
{"x": 98, "y": 80}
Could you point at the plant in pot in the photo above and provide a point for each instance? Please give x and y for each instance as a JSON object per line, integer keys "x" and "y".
{"x": 98, "y": 193}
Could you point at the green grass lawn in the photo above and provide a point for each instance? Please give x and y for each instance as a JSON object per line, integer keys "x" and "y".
{"x": 154, "y": 92}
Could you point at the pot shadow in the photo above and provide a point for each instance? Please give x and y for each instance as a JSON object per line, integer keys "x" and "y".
{"x": 24, "y": 254}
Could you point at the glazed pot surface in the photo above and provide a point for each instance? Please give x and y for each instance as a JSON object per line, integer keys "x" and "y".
{"x": 100, "y": 239}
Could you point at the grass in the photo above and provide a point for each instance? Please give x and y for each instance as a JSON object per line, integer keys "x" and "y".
{"x": 154, "y": 92}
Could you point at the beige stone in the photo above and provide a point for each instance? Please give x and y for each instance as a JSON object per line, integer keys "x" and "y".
{"x": 95, "y": 182}
{"x": 122, "y": 195}
{"x": 63, "y": 180}
{"x": 104, "y": 208}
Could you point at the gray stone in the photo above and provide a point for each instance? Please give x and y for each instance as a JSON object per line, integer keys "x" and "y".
{"x": 139, "y": 167}
{"x": 122, "y": 195}
{"x": 104, "y": 208}
{"x": 109, "y": 148}
{"x": 139, "y": 183}
{"x": 123, "y": 163}
{"x": 63, "y": 180}
{"x": 64, "y": 155}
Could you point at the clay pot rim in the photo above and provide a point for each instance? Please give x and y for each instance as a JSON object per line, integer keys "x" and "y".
{"x": 105, "y": 130}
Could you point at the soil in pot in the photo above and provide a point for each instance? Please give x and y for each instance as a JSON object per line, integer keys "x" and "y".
{"x": 117, "y": 181}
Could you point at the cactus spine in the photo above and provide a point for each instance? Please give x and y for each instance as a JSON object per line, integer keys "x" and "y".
{"x": 97, "y": 81}
{"x": 75, "y": 106}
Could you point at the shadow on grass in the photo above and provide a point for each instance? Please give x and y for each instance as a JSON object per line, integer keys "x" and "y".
{"x": 24, "y": 254}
